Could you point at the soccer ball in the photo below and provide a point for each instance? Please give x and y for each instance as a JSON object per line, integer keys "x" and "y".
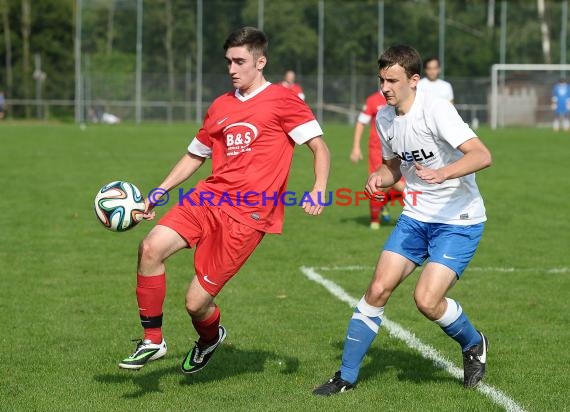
{"x": 119, "y": 206}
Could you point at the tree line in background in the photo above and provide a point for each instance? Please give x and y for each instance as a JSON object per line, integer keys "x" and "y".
{"x": 47, "y": 27}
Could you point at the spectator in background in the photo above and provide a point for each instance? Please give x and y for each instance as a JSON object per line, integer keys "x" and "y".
{"x": 289, "y": 83}
{"x": 561, "y": 105}
{"x": 431, "y": 84}
{"x": 108, "y": 118}
{"x": 98, "y": 115}
{"x": 2, "y": 104}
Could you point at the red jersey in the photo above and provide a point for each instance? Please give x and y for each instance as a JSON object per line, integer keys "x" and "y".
{"x": 295, "y": 88}
{"x": 373, "y": 103}
{"x": 251, "y": 140}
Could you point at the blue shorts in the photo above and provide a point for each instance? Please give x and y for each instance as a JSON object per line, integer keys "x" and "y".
{"x": 449, "y": 245}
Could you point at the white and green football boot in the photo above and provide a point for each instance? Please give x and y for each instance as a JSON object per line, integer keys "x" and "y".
{"x": 200, "y": 355}
{"x": 146, "y": 351}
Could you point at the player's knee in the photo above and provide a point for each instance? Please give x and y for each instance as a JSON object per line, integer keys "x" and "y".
{"x": 149, "y": 251}
{"x": 379, "y": 292}
{"x": 194, "y": 308}
{"x": 426, "y": 304}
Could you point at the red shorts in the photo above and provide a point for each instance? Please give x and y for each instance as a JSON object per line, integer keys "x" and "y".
{"x": 222, "y": 243}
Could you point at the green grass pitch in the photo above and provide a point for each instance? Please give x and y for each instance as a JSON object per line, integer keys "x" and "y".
{"x": 68, "y": 305}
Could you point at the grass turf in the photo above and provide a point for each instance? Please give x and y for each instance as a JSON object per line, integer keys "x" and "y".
{"x": 69, "y": 309}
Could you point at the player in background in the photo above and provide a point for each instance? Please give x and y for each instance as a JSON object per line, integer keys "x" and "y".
{"x": 431, "y": 84}
{"x": 2, "y": 104}
{"x": 373, "y": 103}
{"x": 561, "y": 105}
{"x": 250, "y": 134}
{"x": 289, "y": 83}
{"x": 424, "y": 139}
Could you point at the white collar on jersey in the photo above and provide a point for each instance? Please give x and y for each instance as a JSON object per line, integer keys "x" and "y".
{"x": 252, "y": 94}
{"x": 419, "y": 96}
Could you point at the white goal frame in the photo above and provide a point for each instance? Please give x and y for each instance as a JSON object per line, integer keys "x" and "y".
{"x": 496, "y": 68}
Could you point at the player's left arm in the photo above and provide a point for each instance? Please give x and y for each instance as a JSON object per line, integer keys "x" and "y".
{"x": 475, "y": 157}
{"x": 446, "y": 124}
{"x": 321, "y": 166}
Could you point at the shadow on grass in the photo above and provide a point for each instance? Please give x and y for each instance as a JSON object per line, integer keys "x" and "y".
{"x": 228, "y": 362}
{"x": 409, "y": 366}
{"x": 236, "y": 362}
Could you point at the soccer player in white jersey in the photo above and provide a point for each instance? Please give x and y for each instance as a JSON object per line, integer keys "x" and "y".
{"x": 431, "y": 84}
{"x": 425, "y": 140}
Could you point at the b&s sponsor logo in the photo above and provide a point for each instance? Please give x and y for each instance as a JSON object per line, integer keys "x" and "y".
{"x": 238, "y": 137}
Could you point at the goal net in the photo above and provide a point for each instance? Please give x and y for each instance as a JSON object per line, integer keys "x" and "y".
{"x": 521, "y": 94}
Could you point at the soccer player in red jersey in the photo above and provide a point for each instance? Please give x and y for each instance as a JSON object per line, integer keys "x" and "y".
{"x": 373, "y": 103}
{"x": 289, "y": 83}
{"x": 249, "y": 134}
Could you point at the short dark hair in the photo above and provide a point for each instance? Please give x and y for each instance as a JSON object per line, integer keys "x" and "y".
{"x": 252, "y": 38}
{"x": 431, "y": 59}
{"x": 405, "y": 56}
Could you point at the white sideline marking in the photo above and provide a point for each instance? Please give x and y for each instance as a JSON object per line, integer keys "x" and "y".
{"x": 560, "y": 270}
{"x": 428, "y": 352}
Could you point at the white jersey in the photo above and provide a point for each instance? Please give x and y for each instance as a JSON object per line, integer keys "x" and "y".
{"x": 436, "y": 88}
{"x": 429, "y": 134}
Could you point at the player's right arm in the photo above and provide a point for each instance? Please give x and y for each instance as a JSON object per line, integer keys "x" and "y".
{"x": 364, "y": 118}
{"x": 356, "y": 153}
{"x": 199, "y": 149}
{"x": 450, "y": 94}
{"x": 183, "y": 170}
{"x": 387, "y": 175}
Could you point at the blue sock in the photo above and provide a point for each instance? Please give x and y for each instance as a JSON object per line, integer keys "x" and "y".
{"x": 458, "y": 327}
{"x": 362, "y": 329}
